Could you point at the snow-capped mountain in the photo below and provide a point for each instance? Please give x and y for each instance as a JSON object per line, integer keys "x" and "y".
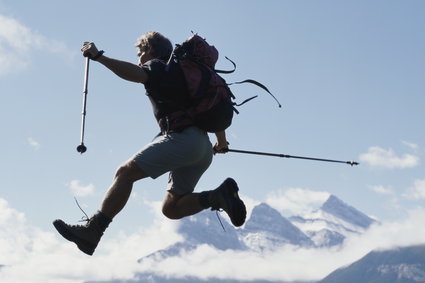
{"x": 332, "y": 223}
{"x": 348, "y": 214}
{"x": 203, "y": 228}
{"x": 267, "y": 229}
{"x": 401, "y": 265}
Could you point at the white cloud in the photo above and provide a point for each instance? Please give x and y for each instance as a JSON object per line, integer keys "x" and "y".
{"x": 411, "y": 145}
{"x": 18, "y": 43}
{"x": 296, "y": 201}
{"x": 382, "y": 190}
{"x": 79, "y": 190}
{"x": 379, "y": 157}
{"x": 417, "y": 191}
{"x": 404, "y": 232}
{"x": 33, "y": 143}
{"x": 289, "y": 262}
{"x": 32, "y": 255}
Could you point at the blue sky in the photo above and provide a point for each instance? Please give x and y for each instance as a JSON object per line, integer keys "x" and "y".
{"x": 349, "y": 74}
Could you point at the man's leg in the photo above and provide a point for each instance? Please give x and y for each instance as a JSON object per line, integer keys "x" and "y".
{"x": 120, "y": 190}
{"x": 178, "y": 206}
{"x": 87, "y": 237}
{"x": 224, "y": 197}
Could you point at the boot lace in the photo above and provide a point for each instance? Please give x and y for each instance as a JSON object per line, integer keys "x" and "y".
{"x": 219, "y": 219}
{"x": 84, "y": 218}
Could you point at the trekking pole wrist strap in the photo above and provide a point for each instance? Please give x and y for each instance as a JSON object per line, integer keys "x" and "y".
{"x": 98, "y": 55}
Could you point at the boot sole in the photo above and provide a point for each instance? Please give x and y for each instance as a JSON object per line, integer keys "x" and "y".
{"x": 238, "y": 209}
{"x": 83, "y": 245}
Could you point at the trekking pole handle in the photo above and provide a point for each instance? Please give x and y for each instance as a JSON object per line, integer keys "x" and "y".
{"x": 352, "y": 163}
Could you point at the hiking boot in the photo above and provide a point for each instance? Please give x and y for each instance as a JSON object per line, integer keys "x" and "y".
{"x": 226, "y": 197}
{"x": 87, "y": 236}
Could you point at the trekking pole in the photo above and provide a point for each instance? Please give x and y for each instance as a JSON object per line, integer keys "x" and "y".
{"x": 292, "y": 156}
{"x": 82, "y": 148}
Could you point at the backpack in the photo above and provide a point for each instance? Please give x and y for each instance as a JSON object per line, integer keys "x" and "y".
{"x": 211, "y": 107}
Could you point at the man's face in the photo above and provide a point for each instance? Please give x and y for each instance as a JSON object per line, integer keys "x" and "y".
{"x": 144, "y": 55}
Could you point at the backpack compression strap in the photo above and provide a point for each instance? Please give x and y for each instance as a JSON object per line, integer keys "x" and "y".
{"x": 246, "y": 81}
{"x": 259, "y": 85}
{"x": 225, "y": 71}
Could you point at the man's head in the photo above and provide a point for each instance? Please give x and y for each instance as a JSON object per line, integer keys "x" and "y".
{"x": 155, "y": 44}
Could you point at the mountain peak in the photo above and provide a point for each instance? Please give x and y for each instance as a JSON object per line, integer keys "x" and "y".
{"x": 264, "y": 216}
{"x": 265, "y": 208}
{"x": 340, "y": 209}
{"x": 265, "y": 219}
{"x": 267, "y": 230}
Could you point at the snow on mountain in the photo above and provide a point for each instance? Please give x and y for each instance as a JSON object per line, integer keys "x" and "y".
{"x": 205, "y": 228}
{"x": 349, "y": 214}
{"x": 155, "y": 278}
{"x": 202, "y": 228}
{"x": 267, "y": 229}
{"x": 326, "y": 238}
{"x": 401, "y": 265}
{"x": 332, "y": 223}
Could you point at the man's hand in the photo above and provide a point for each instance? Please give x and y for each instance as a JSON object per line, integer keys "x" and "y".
{"x": 221, "y": 148}
{"x": 90, "y": 50}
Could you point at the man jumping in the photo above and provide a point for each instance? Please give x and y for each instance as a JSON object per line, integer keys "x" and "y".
{"x": 186, "y": 152}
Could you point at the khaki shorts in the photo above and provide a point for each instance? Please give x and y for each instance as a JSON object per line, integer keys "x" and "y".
{"x": 186, "y": 155}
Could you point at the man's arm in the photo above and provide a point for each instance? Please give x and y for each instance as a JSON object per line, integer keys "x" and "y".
{"x": 222, "y": 145}
{"x": 125, "y": 70}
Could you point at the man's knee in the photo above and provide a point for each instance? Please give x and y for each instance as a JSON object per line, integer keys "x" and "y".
{"x": 170, "y": 212}
{"x": 130, "y": 171}
{"x": 169, "y": 208}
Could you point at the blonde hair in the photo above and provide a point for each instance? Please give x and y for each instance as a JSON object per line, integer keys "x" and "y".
{"x": 161, "y": 46}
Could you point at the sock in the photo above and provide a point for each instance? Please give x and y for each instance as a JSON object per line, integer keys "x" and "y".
{"x": 204, "y": 199}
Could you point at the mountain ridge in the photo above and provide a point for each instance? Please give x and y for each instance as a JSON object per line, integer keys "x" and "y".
{"x": 398, "y": 265}
{"x": 267, "y": 230}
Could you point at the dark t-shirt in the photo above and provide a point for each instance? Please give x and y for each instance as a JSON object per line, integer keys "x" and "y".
{"x": 166, "y": 88}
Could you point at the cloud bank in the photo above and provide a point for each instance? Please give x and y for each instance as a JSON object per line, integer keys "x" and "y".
{"x": 29, "y": 254}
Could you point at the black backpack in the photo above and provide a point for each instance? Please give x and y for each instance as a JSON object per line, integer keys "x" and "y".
{"x": 211, "y": 100}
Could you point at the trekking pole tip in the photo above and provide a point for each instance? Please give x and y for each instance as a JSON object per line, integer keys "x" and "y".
{"x": 352, "y": 163}
{"x": 81, "y": 148}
